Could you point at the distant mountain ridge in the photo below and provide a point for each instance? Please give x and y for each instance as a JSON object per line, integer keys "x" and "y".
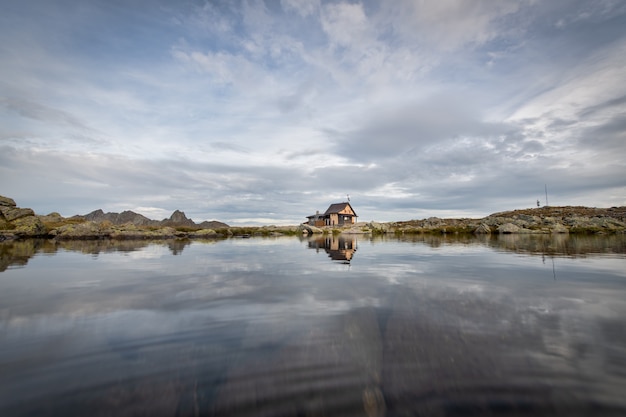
{"x": 177, "y": 219}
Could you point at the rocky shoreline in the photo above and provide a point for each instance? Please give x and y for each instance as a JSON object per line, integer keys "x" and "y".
{"x": 21, "y": 223}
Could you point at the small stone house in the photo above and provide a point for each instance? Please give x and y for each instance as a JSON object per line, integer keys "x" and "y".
{"x": 339, "y": 214}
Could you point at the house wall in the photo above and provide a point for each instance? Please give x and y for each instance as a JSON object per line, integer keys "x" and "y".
{"x": 346, "y": 219}
{"x": 341, "y": 219}
{"x": 347, "y": 210}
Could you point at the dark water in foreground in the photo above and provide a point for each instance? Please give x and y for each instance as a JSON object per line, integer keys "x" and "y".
{"x": 522, "y": 325}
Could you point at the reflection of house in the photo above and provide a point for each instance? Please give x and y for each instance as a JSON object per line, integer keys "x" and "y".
{"x": 338, "y": 248}
{"x": 338, "y": 214}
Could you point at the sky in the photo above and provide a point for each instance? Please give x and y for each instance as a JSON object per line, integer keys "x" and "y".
{"x": 263, "y": 112}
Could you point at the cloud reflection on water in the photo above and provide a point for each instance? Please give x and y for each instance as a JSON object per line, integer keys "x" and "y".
{"x": 228, "y": 327}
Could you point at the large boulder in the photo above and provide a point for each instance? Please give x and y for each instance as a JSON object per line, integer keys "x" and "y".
{"x": 13, "y": 213}
{"x": 7, "y": 202}
{"x": 508, "y": 228}
{"x": 483, "y": 229}
{"x": 18, "y": 222}
{"x": 30, "y": 226}
{"x": 307, "y": 229}
{"x": 203, "y": 233}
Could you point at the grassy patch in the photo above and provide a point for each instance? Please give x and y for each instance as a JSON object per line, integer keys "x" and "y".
{"x": 64, "y": 222}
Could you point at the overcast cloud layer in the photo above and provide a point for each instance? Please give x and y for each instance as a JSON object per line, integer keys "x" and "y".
{"x": 265, "y": 111}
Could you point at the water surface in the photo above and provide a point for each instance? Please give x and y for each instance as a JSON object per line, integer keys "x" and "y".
{"x": 441, "y": 326}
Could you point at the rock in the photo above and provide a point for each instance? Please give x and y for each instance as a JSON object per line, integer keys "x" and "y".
{"x": 7, "y": 202}
{"x": 29, "y": 226}
{"x": 86, "y": 230}
{"x": 356, "y": 231}
{"x": 131, "y": 232}
{"x": 378, "y": 227}
{"x": 124, "y": 217}
{"x": 97, "y": 216}
{"x": 529, "y": 219}
{"x": 4, "y": 225}
{"x": 308, "y": 229}
{"x": 213, "y": 224}
{"x": 203, "y": 233}
{"x": 483, "y": 229}
{"x": 132, "y": 217}
{"x": 178, "y": 218}
{"x": 51, "y": 218}
{"x": 13, "y": 213}
{"x": 559, "y": 228}
{"x": 508, "y": 228}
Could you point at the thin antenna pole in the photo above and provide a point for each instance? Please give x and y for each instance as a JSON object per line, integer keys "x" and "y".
{"x": 546, "y": 186}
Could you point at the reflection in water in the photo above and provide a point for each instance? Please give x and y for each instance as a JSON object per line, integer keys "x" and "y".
{"x": 561, "y": 244}
{"x": 18, "y": 252}
{"x": 430, "y": 327}
{"x": 338, "y": 248}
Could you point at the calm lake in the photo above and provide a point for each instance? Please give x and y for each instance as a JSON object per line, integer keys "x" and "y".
{"x": 426, "y": 326}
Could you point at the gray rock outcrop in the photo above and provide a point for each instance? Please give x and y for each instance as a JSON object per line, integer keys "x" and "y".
{"x": 213, "y": 224}
{"x": 178, "y": 218}
{"x": 13, "y": 213}
{"x": 7, "y": 202}
{"x": 508, "y": 228}
{"x": 483, "y": 229}
{"x": 18, "y": 222}
{"x": 307, "y": 229}
{"x": 378, "y": 227}
{"x": 124, "y": 217}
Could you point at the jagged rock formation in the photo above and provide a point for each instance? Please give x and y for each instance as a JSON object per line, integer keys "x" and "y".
{"x": 178, "y": 219}
{"x": 124, "y": 217}
{"x": 18, "y": 221}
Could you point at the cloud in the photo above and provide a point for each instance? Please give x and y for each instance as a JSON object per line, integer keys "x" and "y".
{"x": 302, "y": 7}
{"x": 450, "y": 24}
{"x": 413, "y": 127}
{"x": 345, "y": 24}
{"x": 269, "y": 110}
{"x": 40, "y": 112}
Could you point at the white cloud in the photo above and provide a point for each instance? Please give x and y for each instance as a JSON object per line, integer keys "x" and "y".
{"x": 259, "y": 110}
{"x": 345, "y": 24}
{"x": 302, "y": 7}
{"x": 450, "y": 24}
